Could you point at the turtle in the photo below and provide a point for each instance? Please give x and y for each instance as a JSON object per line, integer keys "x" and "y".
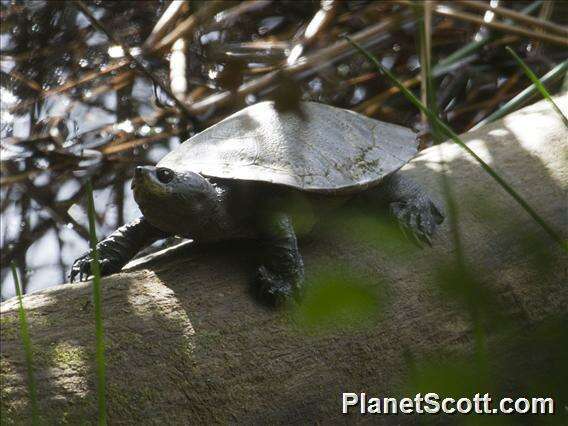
{"x": 249, "y": 176}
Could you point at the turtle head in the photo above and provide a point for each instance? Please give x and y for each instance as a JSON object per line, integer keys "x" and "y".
{"x": 175, "y": 201}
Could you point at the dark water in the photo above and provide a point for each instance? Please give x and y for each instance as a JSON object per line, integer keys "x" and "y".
{"x": 73, "y": 107}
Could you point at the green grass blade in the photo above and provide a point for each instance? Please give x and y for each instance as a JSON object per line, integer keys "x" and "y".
{"x": 452, "y": 135}
{"x": 538, "y": 84}
{"x": 518, "y": 101}
{"x": 26, "y": 342}
{"x": 99, "y": 331}
{"x": 468, "y": 49}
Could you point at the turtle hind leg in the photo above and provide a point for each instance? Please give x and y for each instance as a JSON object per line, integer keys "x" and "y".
{"x": 280, "y": 273}
{"x": 416, "y": 213}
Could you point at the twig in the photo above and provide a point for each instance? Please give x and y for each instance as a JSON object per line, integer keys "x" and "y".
{"x": 475, "y": 45}
{"x": 501, "y": 95}
{"x": 315, "y": 60}
{"x": 332, "y": 53}
{"x": 425, "y": 36}
{"x": 323, "y": 17}
{"x": 174, "y": 10}
{"x": 178, "y": 68}
{"x": 228, "y": 15}
{"x": 70, "y": 85}
{"x": 445, "y": 10}
{"x": 372, "y": 105}
{"x": 27, "y": 81}
{"x": 97, "y": 24}
{"x": 110, "y": 128}
{"x": 113, "y": 149}
{"x": 58, "y": 216}
{"x": 189, "y": 24}
{"x": 516, "y": 16}
{"x": 14, "y": 249}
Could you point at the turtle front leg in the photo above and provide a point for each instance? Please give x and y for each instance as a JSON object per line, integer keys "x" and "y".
{"x": 410, "y": 205}
{"x": 117, "y": 249}
{"x": 280, "y": 274}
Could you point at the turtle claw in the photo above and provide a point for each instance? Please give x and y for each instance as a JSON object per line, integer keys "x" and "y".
{"x": 408, "y": 233}
{"x": 418, "y": 216}
{"x": 81, "y": 268}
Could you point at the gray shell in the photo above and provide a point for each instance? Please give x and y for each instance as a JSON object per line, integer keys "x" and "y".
{"x": 327, "y": 150}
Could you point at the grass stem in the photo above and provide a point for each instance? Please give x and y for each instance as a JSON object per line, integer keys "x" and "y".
{"x": 26, "y": 342}
{"x": 538, "y": 84}
{"x": 99, "y": 331}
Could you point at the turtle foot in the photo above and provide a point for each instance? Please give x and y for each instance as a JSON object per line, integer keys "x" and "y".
{"x": 81, "y": 269}
{"x": 418, "y": 216}
{"x": 275, "y": 290}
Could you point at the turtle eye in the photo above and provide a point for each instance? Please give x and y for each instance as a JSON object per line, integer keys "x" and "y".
{"x": 164, "y": 175}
